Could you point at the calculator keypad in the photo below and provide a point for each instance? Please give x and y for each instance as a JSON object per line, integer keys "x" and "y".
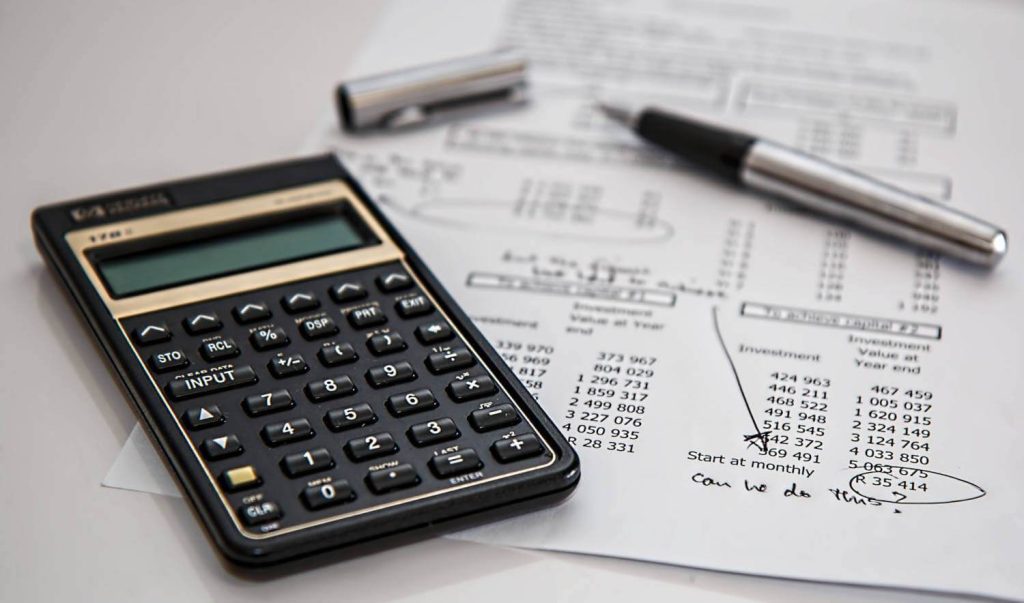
{"x": 343, "y": 393}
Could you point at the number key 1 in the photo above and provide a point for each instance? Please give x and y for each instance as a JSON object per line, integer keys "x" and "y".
{"x": 306, "y": 462}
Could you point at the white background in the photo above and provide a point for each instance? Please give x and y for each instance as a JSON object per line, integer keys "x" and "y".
{"x": 104, "y": 95}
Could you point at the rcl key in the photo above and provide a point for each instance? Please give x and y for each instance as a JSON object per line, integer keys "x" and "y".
{"x": 219, "y": 349}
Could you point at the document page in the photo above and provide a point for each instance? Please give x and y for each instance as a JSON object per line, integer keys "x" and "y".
{"x": 750, "y": 388}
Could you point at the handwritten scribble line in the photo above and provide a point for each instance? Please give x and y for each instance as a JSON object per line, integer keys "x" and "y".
{"x": 759, "y": 436}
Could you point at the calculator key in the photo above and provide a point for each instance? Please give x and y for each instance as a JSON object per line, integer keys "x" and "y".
{"x": 471, "y": 388}
{"x": 450, "y": 360}
{"x": 393, "y": 478}
{"x": 328, "y": 495}
{"x": 276, "y": 434}
{"x": 211, "y": 382}
{"x": 410, "y": 307}
{"x": 394, "y": 281}
{"x": 261, "y": 404}
{"x": 222, "y": 447}
{"x": 346, "y": 292}
{"x": 330, "y": 388}
{"x": 339, "y": 353}
{"x": 251, "y": 312}
{"x": 170, "y": 360}
{"x": 516, "y": 448}
{"x": 411, "y": 402}
{"x": 386, "y": 343}
{"x": 258, "y": 513}
{"x": 219, "y": 349}
{"x": 240, "y": 478}
{"x": 371, "y": 447}
{"x": 202, "y": 323}
{"x": 318, "y": 328}
{"x": 300, "y": 302}
{"x": 455, "y": 463}
{"x": 433, "y": 332}
{"x": 390, "y": 374}
{"x": 150, "y": 334}
{"x": 350, "y": 417}
{"x": 204, "y": 416}
{"x": 287, "y": 366}
{"x": 433, "y": 432}
{"x": 269, "y": 338}
{"x": 494, "y": 417}
{"x": 368, "y": 316}
{"x": 304, "y": 463}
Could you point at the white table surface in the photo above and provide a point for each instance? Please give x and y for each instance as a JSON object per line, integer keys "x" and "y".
{"x": 108, "y": 94}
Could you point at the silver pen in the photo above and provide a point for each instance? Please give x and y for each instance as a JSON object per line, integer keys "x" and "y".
{"x": 818, "y": 185}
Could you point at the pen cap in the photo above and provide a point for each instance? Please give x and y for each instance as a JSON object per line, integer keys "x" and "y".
{"x": 426, "y": 93}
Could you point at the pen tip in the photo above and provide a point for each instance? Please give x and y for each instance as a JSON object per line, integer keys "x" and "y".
{"x": 617, "y": 113}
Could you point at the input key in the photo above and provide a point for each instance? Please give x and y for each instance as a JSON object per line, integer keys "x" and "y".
{"x": 215, "y": 380}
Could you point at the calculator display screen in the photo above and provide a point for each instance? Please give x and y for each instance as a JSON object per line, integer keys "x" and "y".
{"x": 220, "y": 255}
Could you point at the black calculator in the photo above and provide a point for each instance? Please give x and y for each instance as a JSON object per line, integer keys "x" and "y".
{"x": 305, "y": 375}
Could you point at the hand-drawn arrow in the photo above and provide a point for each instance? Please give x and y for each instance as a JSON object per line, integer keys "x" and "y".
{"x": 758, "y": 438}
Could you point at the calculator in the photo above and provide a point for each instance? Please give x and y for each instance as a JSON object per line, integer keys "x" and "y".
{"x": 309, "y": 381}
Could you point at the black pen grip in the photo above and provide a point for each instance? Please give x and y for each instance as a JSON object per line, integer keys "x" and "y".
{"x": 711, "y": 147}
